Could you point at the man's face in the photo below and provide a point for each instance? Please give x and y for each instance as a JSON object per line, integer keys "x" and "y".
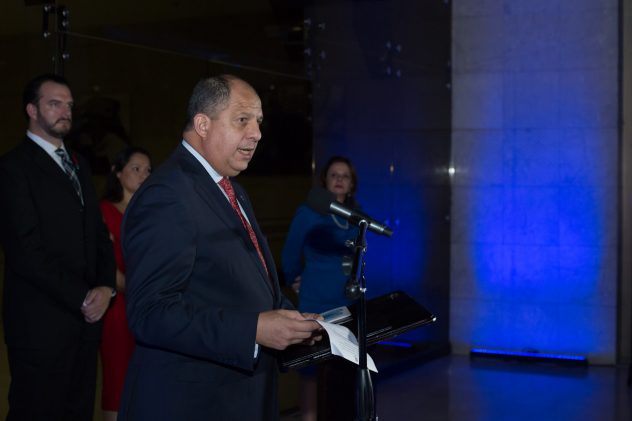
{"x": 52, "y": 114}
{"x": 232, "y": 137}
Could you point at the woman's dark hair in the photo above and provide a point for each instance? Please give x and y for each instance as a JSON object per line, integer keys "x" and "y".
{"x": 113, "y": 188}
{"x": 350, "y": 199}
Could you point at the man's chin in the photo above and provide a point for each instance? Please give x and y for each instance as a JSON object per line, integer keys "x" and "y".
{"x": 59, "y": 133}
{"x": 235, "y": 172}
{"x": 239, "y": 167}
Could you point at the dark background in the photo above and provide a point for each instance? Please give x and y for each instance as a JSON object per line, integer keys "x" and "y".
{"x": 367, "y": 79}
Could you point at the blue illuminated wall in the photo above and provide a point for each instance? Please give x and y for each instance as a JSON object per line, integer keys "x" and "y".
{"x": 534, "y": 197}
{"x": 381, "y": 96}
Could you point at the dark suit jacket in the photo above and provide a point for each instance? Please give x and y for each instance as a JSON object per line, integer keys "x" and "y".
{"x": 195, "y": 287}
{"x": 55, "y": 249}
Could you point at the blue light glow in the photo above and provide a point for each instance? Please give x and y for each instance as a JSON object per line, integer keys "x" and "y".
{"x": 396, "y": 344}
{"x": 532, "y": 355}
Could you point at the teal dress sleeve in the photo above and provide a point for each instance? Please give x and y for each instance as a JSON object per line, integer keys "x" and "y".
{"x": 292, "y": 254}
{"x": 314, "y": 249}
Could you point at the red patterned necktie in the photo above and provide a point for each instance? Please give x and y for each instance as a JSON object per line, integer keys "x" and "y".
{"x": 230, "y": 192}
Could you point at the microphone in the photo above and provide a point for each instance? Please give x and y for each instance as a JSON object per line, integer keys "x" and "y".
{"x": 324, "y": 201}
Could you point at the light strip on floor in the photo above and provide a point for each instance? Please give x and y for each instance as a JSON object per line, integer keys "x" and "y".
{"x": 396, "y": 344}
{"x": 528, "y": 355}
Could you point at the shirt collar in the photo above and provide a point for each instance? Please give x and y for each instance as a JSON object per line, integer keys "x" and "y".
{"x": 214, "y": 174}
{"x": 44, "y": 144}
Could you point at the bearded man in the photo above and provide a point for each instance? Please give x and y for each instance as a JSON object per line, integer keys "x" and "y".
{"x": 59, "y": 265}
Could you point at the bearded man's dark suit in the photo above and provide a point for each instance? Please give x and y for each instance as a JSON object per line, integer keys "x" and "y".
{"x": 195, "y": 287}
{"x": 56, "y": 250}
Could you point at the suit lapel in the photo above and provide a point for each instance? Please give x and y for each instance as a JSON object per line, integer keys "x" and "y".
{"x": 47, "y": 165}
{"x": 263, "y": 243}
{"x": 210, "y": 192}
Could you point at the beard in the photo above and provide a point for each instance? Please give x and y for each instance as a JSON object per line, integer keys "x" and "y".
{"x": 55, "y": 129}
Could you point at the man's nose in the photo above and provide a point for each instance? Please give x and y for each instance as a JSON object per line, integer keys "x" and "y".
{"x": 67, "y": 111}
{"x": 254, "y": 131}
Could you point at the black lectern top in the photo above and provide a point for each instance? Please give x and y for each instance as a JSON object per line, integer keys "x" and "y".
{"x": 387, "y": 316}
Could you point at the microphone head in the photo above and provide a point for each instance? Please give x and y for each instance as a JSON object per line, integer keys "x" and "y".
{"x": 388, "y": 231}
{"x": 319, "y": 199}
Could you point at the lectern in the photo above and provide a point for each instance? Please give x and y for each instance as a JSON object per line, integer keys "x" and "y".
{"x": 386, "y": 316}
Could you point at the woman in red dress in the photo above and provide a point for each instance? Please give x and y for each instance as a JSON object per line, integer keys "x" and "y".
{"x": 129, "y": 169}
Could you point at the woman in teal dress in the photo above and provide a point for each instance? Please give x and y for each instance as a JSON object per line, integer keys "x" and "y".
{"x": 312, "y": 258}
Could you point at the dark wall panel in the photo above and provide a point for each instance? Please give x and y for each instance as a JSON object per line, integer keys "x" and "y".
{"x": 381, "y": 96}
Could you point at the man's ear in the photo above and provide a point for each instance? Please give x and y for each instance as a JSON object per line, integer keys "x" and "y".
{"x": 31, "y": 110}
{"x": 201, "y": 124}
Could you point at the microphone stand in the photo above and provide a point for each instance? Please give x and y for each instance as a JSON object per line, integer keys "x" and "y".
{"x": 356, "y": 289}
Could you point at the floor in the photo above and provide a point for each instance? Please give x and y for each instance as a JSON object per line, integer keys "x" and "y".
{"x": 455, "y": 388}
{"x": 458, "y": 388}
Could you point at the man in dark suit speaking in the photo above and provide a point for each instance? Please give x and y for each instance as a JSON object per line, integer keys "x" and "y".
{"x": 203, "y": 296}
{"x": 59, "y": 264}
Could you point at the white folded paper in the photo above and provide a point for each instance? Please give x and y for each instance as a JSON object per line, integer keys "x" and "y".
{"x": 344, "y": 344}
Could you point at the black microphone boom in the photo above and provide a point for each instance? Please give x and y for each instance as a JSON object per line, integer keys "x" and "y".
{"x": 323, "y": 201}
